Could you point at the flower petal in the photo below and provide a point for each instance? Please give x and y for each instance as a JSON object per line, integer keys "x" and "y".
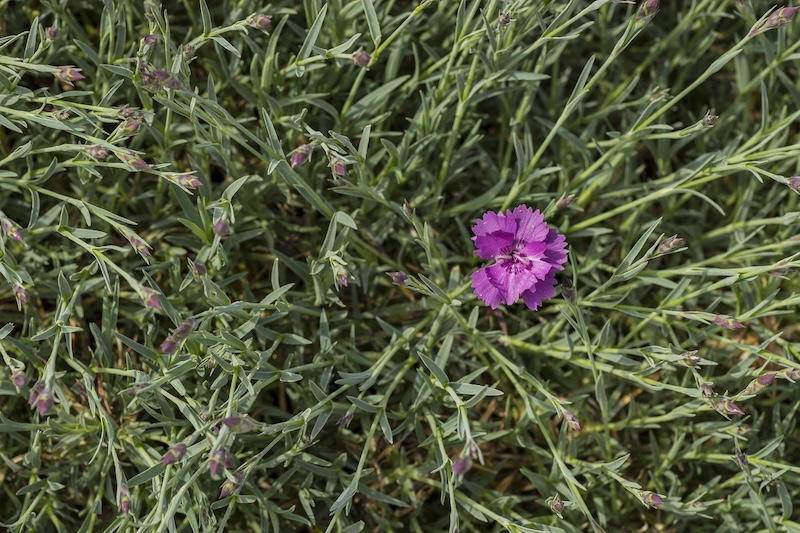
{"x": 511, "y": 279}
{"x": 493, "y": 245}
{"x": 556, "y": 253}
{"x": 541, "y": 290}
{"x": 493, "y": 222}
{"x": 484, "y": 289}
{"x": 530, "y": 225}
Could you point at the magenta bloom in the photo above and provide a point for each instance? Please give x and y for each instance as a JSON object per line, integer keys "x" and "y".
{"x": 526, "y": 252}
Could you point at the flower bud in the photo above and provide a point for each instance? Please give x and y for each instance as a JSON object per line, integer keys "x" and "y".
{"x": 221, "y": 228}
{"x": 124, "y": 499}
{"x": 239, "y": 424}
{"x": 132, "y": 160}
{"x": 19, "y": 379}
{"x": 651, "y": 499}
{"x": 68, "y": 74}
{"x": 198, "y": 269}
{"x": 647, "y": 11}
{"x": 564, "y": 202}
{"x": 218, "y": 462}
{"x": 759, "y": 384}
{"x": 740, "y": 458}
{"x": 228, "y": 487}
{"x": 151, "y": 299}
{"x": 96, "y": 152}
{"x": 301, "y": 155}
{"x": 572, "y": 421}
{"x": 777, "y": 18}
{"x": 150, "y": 39}
{"x": 691, "y": 358}
{"x": 11, "y": 229}
{"x": 174, "y": 454}
{"x": 669, "y": 245}
{"x": 345, "y": 420}
{"x": 709, "y": 120}
{"x": 361, "y": 58}
{"x": 52, "y": 32}
{"x": 338, "y": 166}
{"x": 461, "y": 466}
{"x": 398, "y": 278}
{"x": 259, "y": 21}
{"x": 727, "y": 322}
{"x": 726, "y": 407}
{"x": 504, "y": 20}
{"x": 568, "y": 289}
{"x": 130, "y": 127}
{"x": 20, "y": 294}
{"x": 170, "y": 345}
{"x": 707, "y": 390}
{"x": 41, "y": 398}
{"x": 139, "y": 245}
{"x": 557, "y": 506}
{"x": 794, "y": 183}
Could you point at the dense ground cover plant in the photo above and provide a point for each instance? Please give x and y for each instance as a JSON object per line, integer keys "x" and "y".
{"x": 238, "y": 246}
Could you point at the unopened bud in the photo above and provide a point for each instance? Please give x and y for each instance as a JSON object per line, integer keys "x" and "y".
{"x": 361, "y": 58}
{"x": 96, "y": 152}
{"x": 647, "y": 11}
{"x": 557, "y": 506}
{"x": 727, "y": 322}
{"x": 669, "y": 245}
{"x": 338, "y": 166}
{"x": 221, "y": 228}
{"x": 709, "y": 120}
{"x": 301, "y": 155}
{"x": 239, "y": 424}
{"x": 52, "y": 32}
{"x": 174, "y": 454}
{"x": 564, "y": 202}
{"x": 572, "y": 421}
{"x": 261, "y": 22}
{"x": 461, "y": 466}
{"x": 777, "y": 18}
{"x": 759, "y": 384}
{"x": 151, "y": 299}
{"x": 726, "y": 407}
{"x": 124, "y": 499}
{"x": 150, "y": 39}
{"x": 398, "y": 278}
{"x": 651, "y": 499}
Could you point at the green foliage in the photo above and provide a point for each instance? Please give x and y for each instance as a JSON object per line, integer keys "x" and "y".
{"x": 201, "y": 202}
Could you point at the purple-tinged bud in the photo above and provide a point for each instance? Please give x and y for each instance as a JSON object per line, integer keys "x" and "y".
{"x": 709, "y": 120}
{"x": 740, "y": 458}
{"x": 727, "y": 322}
{"x": 759, "y": 384}
{"x": 188, "y": 52}
{"x": 217, "y": 463}
{"x": 170, "y": 345}
{"x": 228, "y": 487}
{"x": 361, "y": 58}
{"x": 398, "y": 278}
{"x": 726, "y": 407}
{"x": 691, "y": 358}
{"x": 647, "y": 11}
{"x": 41, "y": 399}
{"x": 126, "y": 112}
{"x": 19, "y": 379}
{"x": 794, "y": 183}
{"x": 130, "y": 127}
{"x": 151, "y": 298}
{"x": 651, "y": 499}
{"x": 132, "y": 160}
{"x": 742, "y": 429}
{"x": 96, "y": 152}
{"x": 184, "y": 328}
{"x": 669, "y": 245}
{"x": 11, "y": 229}
{"x": 340, "y": 274}
{"x": 408, "y": 210}
{"x": 68, "y": 74}
{"x": 239, "y": 424}
{"x": 792, "y": 374}
{"x": 338, "y": 166}
{"x": 345, "y": 420}
{"x": 557, "y": 506}
{"x": 174, "y": 454}
{"x": 52, "y": 32}
{"x": 707, "y": 390}
{"x": 198, "y": 269}
{"x": 301, "y": 155}
{"x": 259, "y": 21}
{"x": 61, "y": 115}
{"x": 504, "y": 19}
{"x": 124, "y": 499}
{"x": 186, "y": 180}
{"x": 777, "y": 18}
{"x": 139, "y": 245}
{"x": 696, "y": 505}
{"x": 564, "y": 202}
{"x": 150, "y": 39}
{"x": 221, "y": 228}
{"x": 461, "y": 466}
{"x": 20, "y": 294}
{"x": 568, "y": 289}
{"x": 149, "y": 12}
{"x": 572, "y": 421}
